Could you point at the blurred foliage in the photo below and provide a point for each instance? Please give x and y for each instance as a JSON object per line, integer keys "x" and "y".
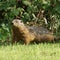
{"x": 32, "y": 12}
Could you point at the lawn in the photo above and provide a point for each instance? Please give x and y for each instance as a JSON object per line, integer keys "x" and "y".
{"x": 42, "y": 51}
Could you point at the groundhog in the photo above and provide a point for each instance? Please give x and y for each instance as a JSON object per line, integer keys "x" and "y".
{"x": 30, "y": 33}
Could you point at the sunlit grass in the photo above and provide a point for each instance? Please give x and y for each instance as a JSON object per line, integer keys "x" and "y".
{"x": 46, "y": 51}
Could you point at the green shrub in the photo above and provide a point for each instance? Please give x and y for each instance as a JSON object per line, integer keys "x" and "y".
{"x": 28, "y": 11}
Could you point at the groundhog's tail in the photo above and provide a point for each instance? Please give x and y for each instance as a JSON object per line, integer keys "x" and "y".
{"x": 57, "y": 38}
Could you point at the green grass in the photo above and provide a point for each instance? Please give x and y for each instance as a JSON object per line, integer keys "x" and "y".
{"x": 46, "y": 51}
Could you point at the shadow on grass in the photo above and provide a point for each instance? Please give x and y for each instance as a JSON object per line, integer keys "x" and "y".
{"x": 7, "y": 42}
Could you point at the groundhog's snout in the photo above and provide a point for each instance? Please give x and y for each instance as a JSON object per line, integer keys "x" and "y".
{"x": 14, "y": 21}
{"x": 11, "y": 23}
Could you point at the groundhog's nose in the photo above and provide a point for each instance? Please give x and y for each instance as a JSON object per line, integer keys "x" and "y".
{"x": 11, "y": 23}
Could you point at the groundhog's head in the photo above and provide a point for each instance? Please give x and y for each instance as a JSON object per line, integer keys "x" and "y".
{"x": 17, "y": 23}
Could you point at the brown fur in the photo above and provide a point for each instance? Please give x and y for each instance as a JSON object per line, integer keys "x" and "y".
{"x": 30, "y": 33}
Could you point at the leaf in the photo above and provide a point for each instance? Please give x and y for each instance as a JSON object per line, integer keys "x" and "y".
{"x": 27, "y": 3}
{"x": 57, "y": 8}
